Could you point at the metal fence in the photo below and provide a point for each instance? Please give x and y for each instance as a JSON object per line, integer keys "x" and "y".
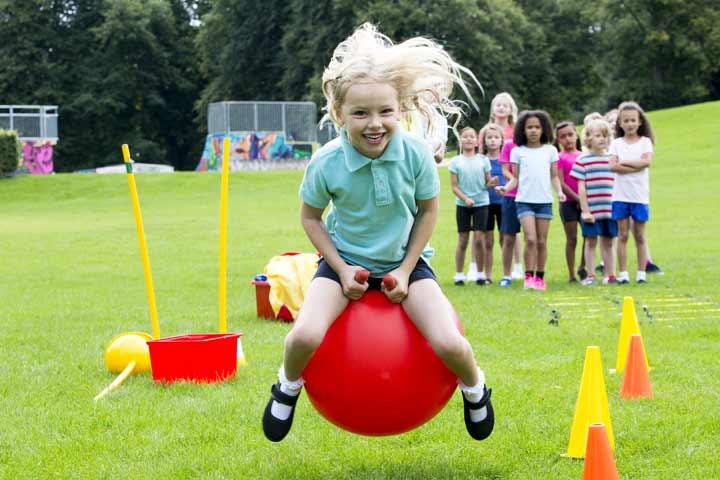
{"x": 32, "y": 122}
{"x": 298, "y": 120}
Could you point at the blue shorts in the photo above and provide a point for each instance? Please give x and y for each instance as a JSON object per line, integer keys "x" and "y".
{"x": 422, "y": 270}
{"x": 537, "y": 210}
{"x": 605, "y": 227}
{"x": 639, "y": 212}
{"x": 509, "y": 223}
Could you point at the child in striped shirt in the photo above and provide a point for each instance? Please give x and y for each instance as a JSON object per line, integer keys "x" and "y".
{"x": 595, "y": 187}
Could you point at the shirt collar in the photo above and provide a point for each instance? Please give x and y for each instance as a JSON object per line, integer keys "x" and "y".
{"x": 354, "y": 160}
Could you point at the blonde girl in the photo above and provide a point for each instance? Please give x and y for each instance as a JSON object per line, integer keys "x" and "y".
{"x": 491, "y": 141}
{"x": 384, "y": 188}
{"x": 504, "y": 112}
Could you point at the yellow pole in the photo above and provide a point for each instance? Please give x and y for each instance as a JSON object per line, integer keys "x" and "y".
{"x": 223, "y": 235}
{"x": 118, "y": 381}
{"x": 141, "y": 238}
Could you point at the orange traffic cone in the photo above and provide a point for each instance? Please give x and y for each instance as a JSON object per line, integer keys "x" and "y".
{"x": 599, "y": 463}
{"x": 636, "y": 383}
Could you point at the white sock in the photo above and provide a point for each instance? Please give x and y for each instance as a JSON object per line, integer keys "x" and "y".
{"x": 474, "y": 394}
{"x": 623, "y": 276}
{"x": 288, "y": 387}
{"x": 481, "y": 276}
{"x": 640, "y": 276}
{"x": 459, "y": 277}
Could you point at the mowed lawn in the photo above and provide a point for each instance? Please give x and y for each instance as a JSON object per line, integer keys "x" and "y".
{"x": 71, "y": 279}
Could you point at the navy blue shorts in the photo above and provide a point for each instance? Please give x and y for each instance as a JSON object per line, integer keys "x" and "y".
{"x": 422, "y": 270}
{"x": 510, "y": 223}
{"x": 639, "y": 212}
{"x": 601, "y": 228}
{"x": 569, "y": 211}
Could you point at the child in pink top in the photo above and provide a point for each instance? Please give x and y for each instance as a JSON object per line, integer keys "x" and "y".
{"x": 567, "y": 139}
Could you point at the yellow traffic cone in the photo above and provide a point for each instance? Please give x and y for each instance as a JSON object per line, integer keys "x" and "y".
{"x": 591, "y": 406}
{"x": 628, "y": 327}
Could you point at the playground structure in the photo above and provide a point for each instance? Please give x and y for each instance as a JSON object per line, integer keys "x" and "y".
{"x": 262, "y": 133}
{"x": 37, "y": 127}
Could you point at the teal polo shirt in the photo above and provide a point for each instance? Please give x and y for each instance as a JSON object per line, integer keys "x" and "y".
{"x": 374, "y": 200}
{"x": 471, "y": 178}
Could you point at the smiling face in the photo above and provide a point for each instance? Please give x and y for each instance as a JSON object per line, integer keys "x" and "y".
{"x": 567, "y": 138}
{"x": 629, "y": 122}
{"x": 370, "y": 114}
{"x": 533, "y": 131}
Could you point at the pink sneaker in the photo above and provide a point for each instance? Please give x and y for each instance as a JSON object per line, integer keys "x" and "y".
{"x": 529, "y": 283}
{"x": 540, "y": 284}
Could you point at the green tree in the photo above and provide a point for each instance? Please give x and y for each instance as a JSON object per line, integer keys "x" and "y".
{"x": 239, "y": 47}
{"x": 663, "y": 53}
{"x": 26, "y": 48}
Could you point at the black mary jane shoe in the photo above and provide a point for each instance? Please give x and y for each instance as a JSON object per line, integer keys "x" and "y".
{"x": 274, "y": 428}
{"x": 482, "y": 429}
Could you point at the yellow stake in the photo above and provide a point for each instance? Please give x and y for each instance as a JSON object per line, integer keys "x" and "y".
{"x": 141, "y": 238}
{"x": 223, "y": 235}
{"x": 118, "y": 381}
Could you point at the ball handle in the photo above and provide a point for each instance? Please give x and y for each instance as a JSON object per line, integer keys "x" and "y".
{"x": 362, "y": 275}
{"x": 389, "y": 282}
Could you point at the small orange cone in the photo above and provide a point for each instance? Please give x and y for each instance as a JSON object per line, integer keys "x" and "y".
{"x": 599, "y": 462}
{"x": 636, "y": 383}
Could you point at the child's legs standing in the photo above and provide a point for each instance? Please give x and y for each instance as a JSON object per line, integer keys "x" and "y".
{"x": 479, "y": 223}
{"x": 494, "y": 216}
{"x": 324, "y": 301}
{"x": 590, "y": 245}
{"x": 542, "y": 225}
{"x": 638, "y": 231}
{"x": 640, "y": 214}
{"x": 621, "y": 214}
{"x": 570, "y": 216}
{"x": 463, "y": 218}
{"x": 432, "y": 314}
{"x": 606, "y": 250}
{"x": 460, "y": 250}
{"x": 489, "y": 245}
{"x": 509, "y": 228}
{"x": 479, "y": 247}
{"x": 530, "y": 234}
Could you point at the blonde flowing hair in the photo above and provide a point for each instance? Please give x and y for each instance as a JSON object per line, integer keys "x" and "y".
{"x": 419, "y": 69}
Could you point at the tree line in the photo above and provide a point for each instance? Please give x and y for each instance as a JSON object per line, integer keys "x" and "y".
{"x": 143, "y": 71}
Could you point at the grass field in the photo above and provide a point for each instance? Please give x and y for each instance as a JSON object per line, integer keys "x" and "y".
{"x": 71, "y": 279}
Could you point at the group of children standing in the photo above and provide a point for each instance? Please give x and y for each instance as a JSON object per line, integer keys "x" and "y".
{"x": 505, "y": 174}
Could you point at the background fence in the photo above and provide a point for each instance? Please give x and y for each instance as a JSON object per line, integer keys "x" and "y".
{"x": 31, "y": 122}
{"x": 297, "y": 120}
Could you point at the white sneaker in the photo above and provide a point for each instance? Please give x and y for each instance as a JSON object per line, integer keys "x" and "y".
{"x": 472, "y": 274}
{"x": 517, "y": 272}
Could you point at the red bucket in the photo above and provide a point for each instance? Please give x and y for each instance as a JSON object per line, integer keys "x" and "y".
{"x": 201, "y": 357}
